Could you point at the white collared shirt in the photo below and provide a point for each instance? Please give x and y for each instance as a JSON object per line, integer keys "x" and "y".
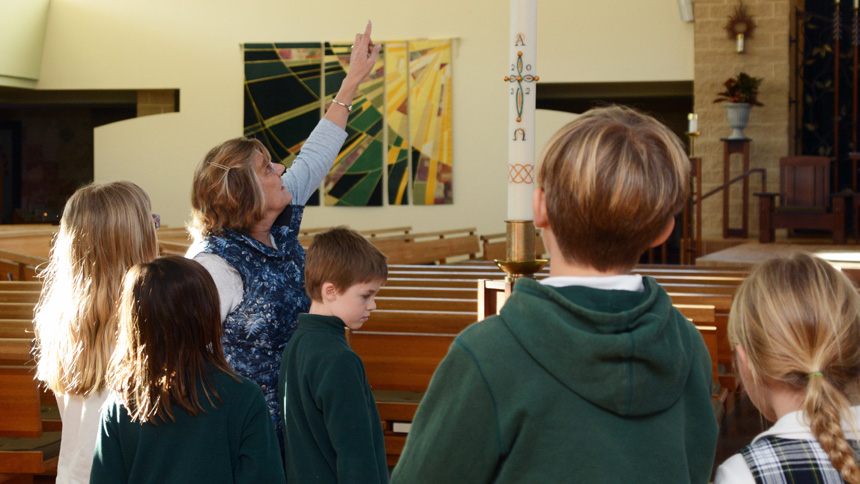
{"x": 625, "y": 282}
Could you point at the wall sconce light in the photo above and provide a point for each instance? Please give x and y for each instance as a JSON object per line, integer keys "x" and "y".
{"x": 740, "y": 27}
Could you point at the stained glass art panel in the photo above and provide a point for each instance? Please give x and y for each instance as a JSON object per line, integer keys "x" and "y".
{"x": 430, "y": 121}
{"x": 283, "y": 96}
{"x": 356, "y": 177}
{"x": 397, "y": 118}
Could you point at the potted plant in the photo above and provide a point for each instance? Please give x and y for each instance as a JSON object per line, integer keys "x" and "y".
{"x": 740, "y": 95}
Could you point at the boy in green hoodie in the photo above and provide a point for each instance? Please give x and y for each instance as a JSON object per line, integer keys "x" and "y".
{"x": 589, "y": 375}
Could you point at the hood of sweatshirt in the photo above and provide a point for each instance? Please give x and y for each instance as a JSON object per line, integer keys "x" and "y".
{"x": 627, "y": 352}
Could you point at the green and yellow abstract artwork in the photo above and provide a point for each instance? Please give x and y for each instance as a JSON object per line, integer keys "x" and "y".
{"x": 397, "y": 116}
{"x": 283, "y": 97}
{"x": 430, "y": 121}
{"x": 398, "y": 132}
{"x": 356, "y": 177}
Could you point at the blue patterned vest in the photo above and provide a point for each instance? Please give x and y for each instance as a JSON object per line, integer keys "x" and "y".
{"x": 774, "y": 460}
{"x": 258, "y": 329}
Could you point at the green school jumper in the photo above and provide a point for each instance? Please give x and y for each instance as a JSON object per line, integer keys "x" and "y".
{"x": 570, "y": 384}
{"x": 332, "y": 431}
{"x": 233, "y": 442}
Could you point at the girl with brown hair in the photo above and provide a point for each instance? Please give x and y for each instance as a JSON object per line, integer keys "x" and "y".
{"x": 795, "y": 327}
{"x": 179, "y": 413}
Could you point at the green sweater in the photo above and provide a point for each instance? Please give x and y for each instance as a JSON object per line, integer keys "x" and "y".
{"x": 332, "y": 431}
{"x": 232, "y": 442}
{"x": 568, "y": 384}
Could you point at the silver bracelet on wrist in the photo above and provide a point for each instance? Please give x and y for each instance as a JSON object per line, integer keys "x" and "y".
{"x": 347, "y": 106}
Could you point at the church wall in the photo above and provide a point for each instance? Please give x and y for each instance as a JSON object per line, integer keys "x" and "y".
{"x": 193, "y": 46}
{"x": 767, "y": 56}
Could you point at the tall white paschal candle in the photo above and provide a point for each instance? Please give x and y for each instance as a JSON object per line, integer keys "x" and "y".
{"x": 522, "y": 84}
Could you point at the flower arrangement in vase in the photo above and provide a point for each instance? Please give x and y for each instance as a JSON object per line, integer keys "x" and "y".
{"x": 740, "y": 94}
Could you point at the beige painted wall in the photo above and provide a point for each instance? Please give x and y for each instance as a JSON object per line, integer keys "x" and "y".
{"x": 22, "y": 34}
{"x": 193, "y": 45}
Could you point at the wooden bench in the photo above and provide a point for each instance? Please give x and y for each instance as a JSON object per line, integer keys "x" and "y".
{"x": 367, "y": 233}
{"x": 31, "y": 297}
{"x": 26, "y": 448}
{"x": 21, "y": 286}
{"x": 17, "y": 310}
{"x": 427, "y": 303}
{"x": 429, "y": 247}
{"x": 16, "y": 351}
{"x": 16, "y": 328}
{"x": 425, "y": 292}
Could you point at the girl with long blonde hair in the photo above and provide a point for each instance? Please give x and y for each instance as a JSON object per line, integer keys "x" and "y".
{"x": 795, "y": 327}
{"x": 104, "y": 230}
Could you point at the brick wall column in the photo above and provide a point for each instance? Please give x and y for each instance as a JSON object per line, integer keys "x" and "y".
{"x": 766, "y": 56}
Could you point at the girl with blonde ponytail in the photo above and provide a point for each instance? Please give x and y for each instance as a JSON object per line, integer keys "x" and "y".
{"x": 795, "y": 327}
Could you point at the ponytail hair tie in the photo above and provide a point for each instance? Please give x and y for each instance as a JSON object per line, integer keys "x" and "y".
{"x": 815, "y": 373}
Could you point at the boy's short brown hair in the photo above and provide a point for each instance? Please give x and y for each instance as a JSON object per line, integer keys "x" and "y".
{"x": 343, "y": 257}
{"x": 614, "y": 178}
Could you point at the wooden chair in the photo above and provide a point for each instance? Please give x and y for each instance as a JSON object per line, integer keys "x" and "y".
{"x": 806, "y": 200}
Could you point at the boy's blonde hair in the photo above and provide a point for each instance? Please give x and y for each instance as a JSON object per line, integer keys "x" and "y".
{"x": 105, "y": 229}
{"x": 225, "y": 192}
{"x": 614, "y": 178}
{"x": 796, "y": 317}
{"x": 343, "y": 257}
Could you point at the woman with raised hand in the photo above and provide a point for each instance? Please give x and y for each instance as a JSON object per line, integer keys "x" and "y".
{"x": 246, "y": 213}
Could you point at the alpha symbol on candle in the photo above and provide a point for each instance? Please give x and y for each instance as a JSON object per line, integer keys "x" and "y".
{"x": 518, "y": 173}
{"x": 520, "y": 40}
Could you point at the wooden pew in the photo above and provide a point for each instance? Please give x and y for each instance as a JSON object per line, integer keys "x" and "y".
{"x": 16, "y": 351}
{"x": 16, "y": 310}
{"x": 429, "y": 247}
{"x": 367, "y": 233}
{"x": 16, "y": 328}
{"x": 25, "y": 447}
{"x": 21, "y": 286}
{"x": 425, "y": 292}
{"x": 19, "y": 296}
{"x": 427, "y": 303}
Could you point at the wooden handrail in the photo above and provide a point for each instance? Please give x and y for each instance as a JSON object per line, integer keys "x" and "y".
{"x": 736, "y": 179}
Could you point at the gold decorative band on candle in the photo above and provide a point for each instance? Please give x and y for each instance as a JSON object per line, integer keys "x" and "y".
{"x": 518, "y": 173}
{"x": 520, "y": 250}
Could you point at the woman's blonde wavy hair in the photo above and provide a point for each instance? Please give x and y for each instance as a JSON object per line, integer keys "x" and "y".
{"x": 226, "y": 193}
{"x": 104, "y": 230}
{"x": 795, "y": 317}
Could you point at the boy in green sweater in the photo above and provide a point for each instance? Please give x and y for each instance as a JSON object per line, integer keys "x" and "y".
{"x": 589, "y": 375}
{"x": 332, "y": 431}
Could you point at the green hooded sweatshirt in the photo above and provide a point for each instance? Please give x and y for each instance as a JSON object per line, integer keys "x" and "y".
{"x": 569, "y": 384}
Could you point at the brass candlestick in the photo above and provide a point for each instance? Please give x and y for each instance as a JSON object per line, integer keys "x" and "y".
{"x": 693, "y": 137}
{"x": 520, "y": 251}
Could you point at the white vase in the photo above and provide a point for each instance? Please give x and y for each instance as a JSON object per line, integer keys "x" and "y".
{"x": 739, "y": 117}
